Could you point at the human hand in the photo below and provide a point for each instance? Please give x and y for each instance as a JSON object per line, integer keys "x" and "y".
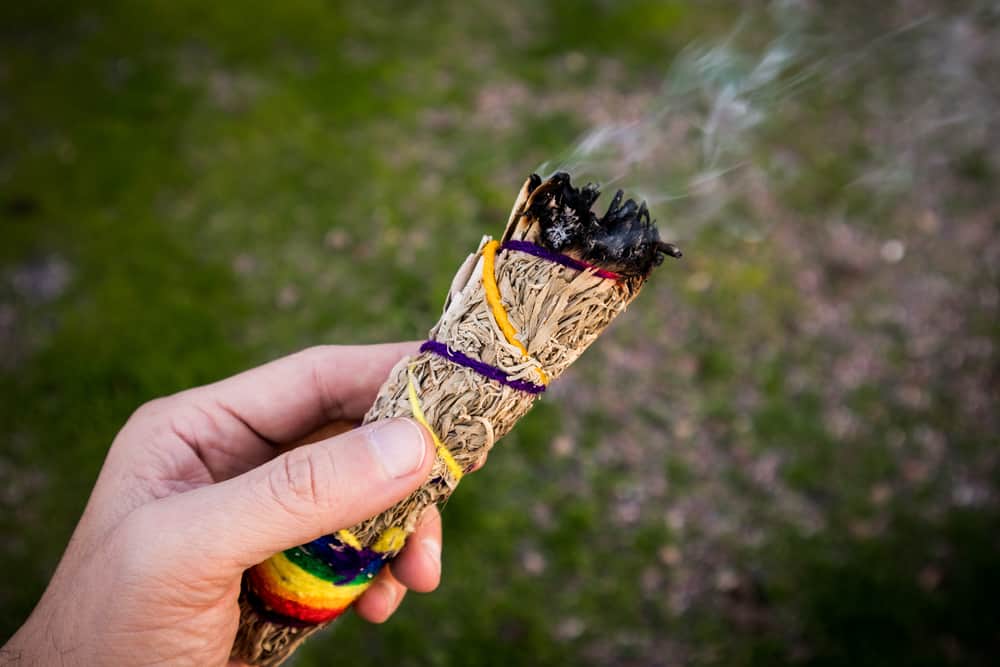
{"x": 194, "y": 491}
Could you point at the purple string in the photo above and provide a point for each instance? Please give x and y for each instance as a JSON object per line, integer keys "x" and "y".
{"x": 486, "y": 370}
{"x": 558, "y": 258}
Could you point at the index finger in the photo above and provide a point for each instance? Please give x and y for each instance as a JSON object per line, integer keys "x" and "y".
{"x": 286, "y": 399}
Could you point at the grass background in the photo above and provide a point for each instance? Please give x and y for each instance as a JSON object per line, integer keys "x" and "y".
{"x": 786, "y": 452}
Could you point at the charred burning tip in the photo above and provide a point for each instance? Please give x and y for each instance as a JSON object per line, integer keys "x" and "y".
{"x": 624, "y": 239}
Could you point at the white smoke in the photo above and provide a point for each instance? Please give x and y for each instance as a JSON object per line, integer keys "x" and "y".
{"x": 707, "y": 139}
{"x": 699, "y": 130}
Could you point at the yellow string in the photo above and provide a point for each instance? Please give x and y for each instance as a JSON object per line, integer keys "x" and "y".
{"x": 348, "y": 538}
{"x": 392, "y": 540}
{"x": 418, "y": 414}
{"x": 496, "y": 305}
{"x": 493, "y": 296}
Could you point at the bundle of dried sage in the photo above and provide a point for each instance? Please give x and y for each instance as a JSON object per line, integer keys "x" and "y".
{"x": 519, "y": 312}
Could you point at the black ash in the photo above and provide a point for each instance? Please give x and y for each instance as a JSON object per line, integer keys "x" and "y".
{"x": 624, "y": 240}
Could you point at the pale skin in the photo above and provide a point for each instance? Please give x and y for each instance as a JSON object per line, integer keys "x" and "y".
{"x": 201, "y": 485}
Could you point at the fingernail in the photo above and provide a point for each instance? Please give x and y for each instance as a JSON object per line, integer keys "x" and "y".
{"x": 433, "y": 549}
{"x": 399, "y": 447}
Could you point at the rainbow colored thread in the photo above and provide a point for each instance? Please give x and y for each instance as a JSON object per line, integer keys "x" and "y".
{"x": 316, "y": 582}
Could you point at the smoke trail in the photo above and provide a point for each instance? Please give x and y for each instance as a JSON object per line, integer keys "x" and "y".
{"x": 703, "y": 143}
{"x": 700, "y": 128}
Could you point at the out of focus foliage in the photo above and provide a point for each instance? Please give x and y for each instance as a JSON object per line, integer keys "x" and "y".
{"x": 785, "y": 452}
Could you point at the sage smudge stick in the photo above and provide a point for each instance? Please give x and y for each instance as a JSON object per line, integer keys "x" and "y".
{"x": 520, "y": 310}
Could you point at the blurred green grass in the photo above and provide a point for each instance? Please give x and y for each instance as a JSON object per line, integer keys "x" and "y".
{"x": 216, "y": 185}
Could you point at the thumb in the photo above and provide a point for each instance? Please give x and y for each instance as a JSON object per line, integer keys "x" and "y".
{"x": 304, "y": 493}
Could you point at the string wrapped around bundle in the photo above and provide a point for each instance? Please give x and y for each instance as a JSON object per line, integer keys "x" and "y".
{"x": 520, "y": 310}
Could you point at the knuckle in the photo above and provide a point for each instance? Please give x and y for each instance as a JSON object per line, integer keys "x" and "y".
{"x": 147, "y": 423}
{"x": 319, "y": 358}
{"x": 319, "y": 351}
{"x": 303, "y": 479}
{"x": 318, "y": 355}
{"x": 195, "y": 425}
{"x": 152, "y": 409}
